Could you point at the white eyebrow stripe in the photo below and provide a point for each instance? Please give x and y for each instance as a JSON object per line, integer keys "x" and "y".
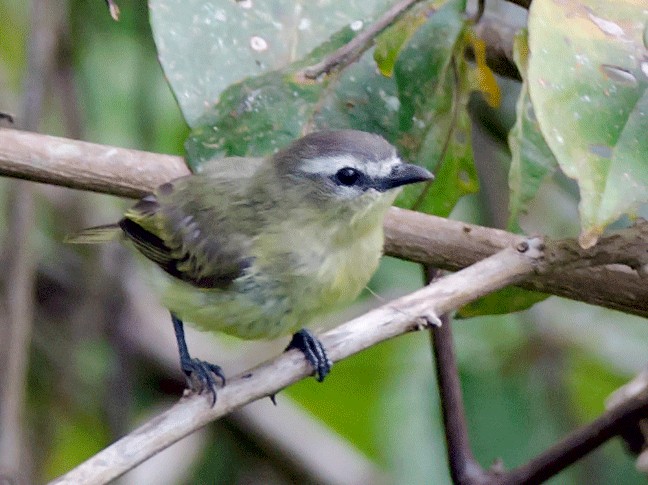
{"x": 330, "y": 165}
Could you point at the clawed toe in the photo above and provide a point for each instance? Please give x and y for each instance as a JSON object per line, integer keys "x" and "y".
{"x": 313, "y": 351}
{"x": 202, "y": 376}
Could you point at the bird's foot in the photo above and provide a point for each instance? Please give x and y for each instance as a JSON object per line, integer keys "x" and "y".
{"x": 313, "y": 350}
{"x": 202, "y": 375}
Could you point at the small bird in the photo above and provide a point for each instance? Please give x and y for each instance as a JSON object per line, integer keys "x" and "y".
{"x": 258, "y": 247}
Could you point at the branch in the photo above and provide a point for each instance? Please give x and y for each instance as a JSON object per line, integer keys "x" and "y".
{"x": 411, "y": 312}
{"x": 462, "y": 463}
{"x": 497, "y": 34}
{"x": 18, "y": 253}
{"x": 611, "y": 423}
{"x": 628, "y": 407}
{"x": 442, "y": 243}
{"x": 83, "y": 165}
{"x": 453, "y": 245}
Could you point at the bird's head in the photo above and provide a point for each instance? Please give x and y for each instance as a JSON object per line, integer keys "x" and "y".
{"x": 344, "y": 173}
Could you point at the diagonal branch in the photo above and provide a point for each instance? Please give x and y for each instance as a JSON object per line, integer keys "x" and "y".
{"x": 613, "y": 422}
{"x": 411, "y": 312}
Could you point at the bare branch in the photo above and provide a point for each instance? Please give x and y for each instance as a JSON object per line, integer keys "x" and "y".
{"x": 461, "y": 460}
{"x": 453, "y": 245}
{"x": 439, "y": 242}
{"x": 83, "y": 165}
{"x": 613, "y": 422}
{"x": 494, "y": 30}
{"x": 411, "y": 312}
{"x": 113, "y": 8}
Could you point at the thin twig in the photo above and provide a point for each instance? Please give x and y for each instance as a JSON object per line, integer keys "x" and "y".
{"x": 462, "y": 463}
{"x": 113, "y": 8}
{"x": 442, "y": 243}
{"x": 351, "y": 51}
{"x": 581, "y": 442}
{"x": 465, "y": 470}
{"x": 18, "y": 303}
{"x": 408, "y": 313}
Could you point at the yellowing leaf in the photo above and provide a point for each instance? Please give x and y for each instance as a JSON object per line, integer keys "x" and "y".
{"x": 484, "y": 78}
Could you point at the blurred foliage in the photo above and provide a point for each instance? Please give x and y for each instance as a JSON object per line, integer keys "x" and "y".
{"x": 507, "y": 300}
{"x": 527, "y": 377}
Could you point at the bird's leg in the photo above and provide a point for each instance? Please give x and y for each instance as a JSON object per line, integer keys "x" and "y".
{"x": 313, "y": 350}
{"x": 197, "y": 371}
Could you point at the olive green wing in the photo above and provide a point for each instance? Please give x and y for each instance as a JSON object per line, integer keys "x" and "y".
{"x": 186, "y": 228}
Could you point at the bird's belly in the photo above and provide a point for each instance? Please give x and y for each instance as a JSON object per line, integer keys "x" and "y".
{"x": 337, "y": 275}
{"x": 260, "y": 305}
{"x": 245, "y": 314}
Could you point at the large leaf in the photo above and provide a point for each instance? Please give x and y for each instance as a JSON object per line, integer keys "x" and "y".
{"x": 260, "y": 114}
{"x": 206, "y": 45}
{"x": 588, "y": 80}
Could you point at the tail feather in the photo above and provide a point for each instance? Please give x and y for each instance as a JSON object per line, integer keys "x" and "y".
{"x": 95, "y": 235}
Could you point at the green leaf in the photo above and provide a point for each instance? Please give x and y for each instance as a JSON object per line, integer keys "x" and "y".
{"x": 507, "y": 300}
{"x": 390, "y": 43}
{"x": 590, "y": 382}
{"x": 531, "y": 157}
{"x": 362, "y": 100}
{"x": 76, "y": 437}
{"x": 261, "y": 114}
{"x": 456, "y": 173}
{"x": 423, "y": 65}
{"x": 588, "y": 80}
{"x": 204, "y": 46}
{"x": 433, "y": 88}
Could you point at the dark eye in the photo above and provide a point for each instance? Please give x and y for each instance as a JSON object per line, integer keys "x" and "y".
{"x": 347, "y": 176}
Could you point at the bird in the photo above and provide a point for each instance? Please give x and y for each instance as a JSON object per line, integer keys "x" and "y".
{"x": 258, "y": 247}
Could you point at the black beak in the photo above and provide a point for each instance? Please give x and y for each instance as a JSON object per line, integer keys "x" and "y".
{"x": 404, "y": 174}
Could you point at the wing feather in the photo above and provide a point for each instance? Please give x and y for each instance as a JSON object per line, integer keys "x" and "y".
{"x": 188, "y": 238}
